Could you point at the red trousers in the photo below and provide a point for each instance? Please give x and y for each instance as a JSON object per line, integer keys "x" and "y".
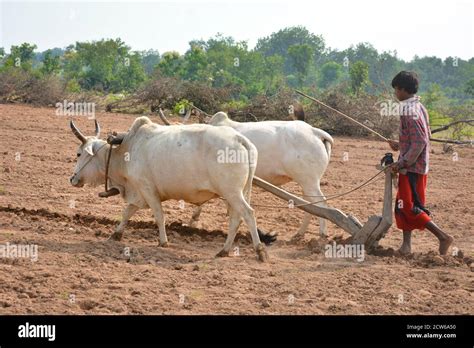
{"x": 410, "y": 213}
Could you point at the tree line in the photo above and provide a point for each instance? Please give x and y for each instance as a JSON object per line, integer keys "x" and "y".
{"x": 292, "y": 57}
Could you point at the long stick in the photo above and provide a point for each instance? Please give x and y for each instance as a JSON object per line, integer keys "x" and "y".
{"x": 457, "y": 142}
{"x": 342, "y": 114}
{"x": 471, "y": 121}
{"x": 195, "y": 107}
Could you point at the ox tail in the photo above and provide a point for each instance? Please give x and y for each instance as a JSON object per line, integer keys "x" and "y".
{"x": 252, "y": 158}
{"x": 265, "y": 237}
{"x": 326, "y": 138}
{"x": 139, "y": 121}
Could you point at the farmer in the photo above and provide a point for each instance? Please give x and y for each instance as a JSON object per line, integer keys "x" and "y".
{"x": 413, "y": 162}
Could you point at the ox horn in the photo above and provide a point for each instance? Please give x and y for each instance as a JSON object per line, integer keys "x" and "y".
{"x": 97, "y": 128}
{"x": 163, "y": 117}
{"x": 77, "y": 132}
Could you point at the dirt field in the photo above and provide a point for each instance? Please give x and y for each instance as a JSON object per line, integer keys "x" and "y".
{"x": 79, "y": 271}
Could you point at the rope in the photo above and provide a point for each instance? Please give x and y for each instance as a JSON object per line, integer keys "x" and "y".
{"x": 109, "y": 154}
{"x": 333, "y": 196}
{"x": 90, "y": 159}
{"x": 342, "y": 114}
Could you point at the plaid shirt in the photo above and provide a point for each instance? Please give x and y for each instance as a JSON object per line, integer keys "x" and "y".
{"x": 414, "y": 136}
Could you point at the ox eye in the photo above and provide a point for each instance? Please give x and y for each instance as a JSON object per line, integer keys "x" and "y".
{"x": 78, "y": 155}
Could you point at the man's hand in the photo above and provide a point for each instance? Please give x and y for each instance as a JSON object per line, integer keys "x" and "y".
{"x": 396, "y": 167}
{"x": 394, "y": 145}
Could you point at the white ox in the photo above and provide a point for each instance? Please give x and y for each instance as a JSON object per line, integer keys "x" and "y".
{"x": 155, "y": 163}
{"x": 287, "y": 151}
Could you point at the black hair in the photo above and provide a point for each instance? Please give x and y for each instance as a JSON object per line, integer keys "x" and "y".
{"x": 407, "y": 80}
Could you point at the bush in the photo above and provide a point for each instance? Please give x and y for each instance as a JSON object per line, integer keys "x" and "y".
{"x": 209, "y": 99}
{"x": 46, "y": 90}
{"x": 366, "y": 109}
{"x": 181, "y": 107}
{"x": 17, "y": 85}
{"x": 73, "y": 86}
{"x": 12, "y": 83}
{"x": 263, "y": 107}
{"x": 166, "y": 92}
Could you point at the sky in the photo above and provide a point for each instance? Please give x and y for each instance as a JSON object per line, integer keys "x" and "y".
{"x": 418, "y": 27}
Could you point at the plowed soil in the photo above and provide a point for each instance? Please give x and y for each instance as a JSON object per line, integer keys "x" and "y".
{"x": 78, "y": 271}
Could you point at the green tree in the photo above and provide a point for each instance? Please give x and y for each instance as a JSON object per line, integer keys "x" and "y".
{"x": 279, "y": 43}
{"x": 21, "y": 56}
{"x": 171, "y": 64}
{"x": 301, "y": 58}
{"x": 106, "y": 65}
{"x": 150, "y": 60}
{"x": 433, "y": 96}
{"x": 359, "y": 75}
{"x": 469, "y": 89}
{"x": 331, "y": 72}
{"x": 196, "y": 66}
{"x": 436, "y": 103}
{"x": 51, "y": 64}
{"x": 131, "y": 75}
{"x": 2, "y": 56}
{"x": 273, "y": 75}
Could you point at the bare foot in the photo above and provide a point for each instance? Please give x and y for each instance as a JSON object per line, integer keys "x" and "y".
{"x": 405, "y": 250}
{"x": 445, "y": 244}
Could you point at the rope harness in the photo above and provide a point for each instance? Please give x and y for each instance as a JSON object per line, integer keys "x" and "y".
{"x": 87, "y": 162}
{"x": 107, "y": 193}
{"x": 107, "y": 164}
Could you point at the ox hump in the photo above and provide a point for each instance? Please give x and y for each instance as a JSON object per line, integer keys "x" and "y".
{"x": 139, "y": 122}
{"x": 218, "y": 118}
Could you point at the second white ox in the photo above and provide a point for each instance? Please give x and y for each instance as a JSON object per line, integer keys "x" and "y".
{"x": 156, "y": 163}
{"x": 287, "y": 151}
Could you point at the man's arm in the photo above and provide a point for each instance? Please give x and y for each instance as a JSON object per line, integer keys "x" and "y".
{"x": 418, "y": 140}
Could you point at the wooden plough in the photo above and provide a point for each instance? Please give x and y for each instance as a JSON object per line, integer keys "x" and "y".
{"x": 368, "y": 234}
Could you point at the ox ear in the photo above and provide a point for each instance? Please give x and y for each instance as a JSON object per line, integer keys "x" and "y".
{"x": 88, "y": 148}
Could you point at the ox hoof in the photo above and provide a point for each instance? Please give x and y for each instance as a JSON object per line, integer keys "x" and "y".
{"x": 163, "y": 245}
{"x": 262, "y": 254}
{"x": 222, "y": 253}
{"x": 117, "y": 236}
